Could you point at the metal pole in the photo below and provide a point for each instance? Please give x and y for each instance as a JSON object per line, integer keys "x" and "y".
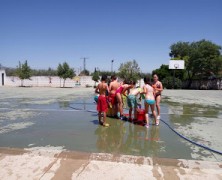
{"x": 173, "y": 78}
{"x": 112, "y": 65}
{"x": 84, "y": 63}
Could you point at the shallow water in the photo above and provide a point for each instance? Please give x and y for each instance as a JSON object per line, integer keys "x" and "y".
{"x": 71, "y": 122}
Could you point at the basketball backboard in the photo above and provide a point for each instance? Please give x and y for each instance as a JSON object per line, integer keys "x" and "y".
{"x": 176, "y": 64}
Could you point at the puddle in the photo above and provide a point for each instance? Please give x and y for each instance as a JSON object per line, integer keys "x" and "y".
{"x": 70, "y": 121}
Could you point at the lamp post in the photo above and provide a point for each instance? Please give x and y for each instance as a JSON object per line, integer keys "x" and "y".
{"x": 112, "y": 65}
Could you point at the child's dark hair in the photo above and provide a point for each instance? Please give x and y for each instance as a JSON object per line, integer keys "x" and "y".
{"x": 133, "y": 82}
{"x": 104, "y": 78}
{"x": 125, "y": 81}
{"x": 147, "y": 80}
{"x": 113, "y": 77}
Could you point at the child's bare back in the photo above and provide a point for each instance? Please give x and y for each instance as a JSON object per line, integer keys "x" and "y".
{"x": 102, "y": 88}
{"x": 113, "y": 87}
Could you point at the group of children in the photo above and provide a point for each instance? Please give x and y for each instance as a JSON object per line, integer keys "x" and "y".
{"x": 111, "y": 97}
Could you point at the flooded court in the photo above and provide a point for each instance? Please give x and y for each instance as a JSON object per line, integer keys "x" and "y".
{"x": 57, "y": 117}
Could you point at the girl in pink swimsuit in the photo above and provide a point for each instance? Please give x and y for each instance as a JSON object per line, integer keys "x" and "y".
{"x": 119, "y": 92}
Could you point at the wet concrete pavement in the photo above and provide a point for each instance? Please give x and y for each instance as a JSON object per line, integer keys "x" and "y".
{"x": 53, "y": 163}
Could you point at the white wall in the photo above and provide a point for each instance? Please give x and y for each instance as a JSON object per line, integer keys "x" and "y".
{"x": 44, "y": 81}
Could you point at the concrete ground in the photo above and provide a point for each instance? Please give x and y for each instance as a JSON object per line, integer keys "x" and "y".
{"x": 55, "y": 163}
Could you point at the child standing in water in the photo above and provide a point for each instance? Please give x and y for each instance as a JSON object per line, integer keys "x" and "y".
{"x": 132, "y": 100}
{"x": 149, "y": 101}
{"x": 158, "y": 88}
{"x": 102, "y": 106}
{"x": 119, "y": 93}
{"x": 114, "y": 85}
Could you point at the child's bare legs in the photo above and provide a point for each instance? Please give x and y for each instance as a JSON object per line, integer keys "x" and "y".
{"x": 100, "y": 116}
{"x": 113, "y": 110}
{"x": 135, "y": 113}
{"x": 120, "y": 104}
{"x": 130, "y": 113}
{"x": 146, "y": 114}
{"x": 145, "y": 107}
{"x": 154, "y": 114}
{"x": 104, "y": 118}
{"x": 158, "y": 98}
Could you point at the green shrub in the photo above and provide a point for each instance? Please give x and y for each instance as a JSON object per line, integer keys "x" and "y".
{"x": 168, "y": 83}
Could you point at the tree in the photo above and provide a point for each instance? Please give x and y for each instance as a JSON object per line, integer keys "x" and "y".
{"x": 162, "y": 72}
{"x": 23, "y": 71}
{"x": 108, "y": 73}
{"x": 95, "y": 76}
{"x": 205, "y": 58}
{"x": 84, "y": 73}
{"x": 179, "y": 50}
{"x": 64, "y": 72}
{"x": 142, "y": 75}
{"x": 169, "y": 84}
{"x": 129, "y": 70}
{"x": 11, "y": 71}
{"x": 202, "y": 58}
{"x": 44, "y": 72}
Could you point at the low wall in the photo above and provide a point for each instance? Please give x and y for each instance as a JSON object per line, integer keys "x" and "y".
{"x": 53, "y": 81}
{"x": 83, "y": 81}
{"x": 215, "y": 84}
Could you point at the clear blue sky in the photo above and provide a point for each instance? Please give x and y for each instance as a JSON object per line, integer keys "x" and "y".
{"x": 47, "y": 32}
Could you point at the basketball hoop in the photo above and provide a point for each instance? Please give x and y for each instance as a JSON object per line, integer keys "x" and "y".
{"x": 176, "y": 66}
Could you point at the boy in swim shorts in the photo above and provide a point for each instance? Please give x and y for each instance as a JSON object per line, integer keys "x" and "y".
{"x": 132, "y": 100}
{"x": 114, "y": 85}
{"x": 102, "y": 105}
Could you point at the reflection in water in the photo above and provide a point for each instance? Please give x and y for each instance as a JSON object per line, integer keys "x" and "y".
{"x": 127, "y": 138}
{"x": 185, "y": 114}
{"x": 194, "y": 109}
{"x": 83, "y": 104}
{"x": 192, "y": 122}
{"x": 110, "y": 139}
{"x": 64, "y": 104}
{"x": 80, "y": 105}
